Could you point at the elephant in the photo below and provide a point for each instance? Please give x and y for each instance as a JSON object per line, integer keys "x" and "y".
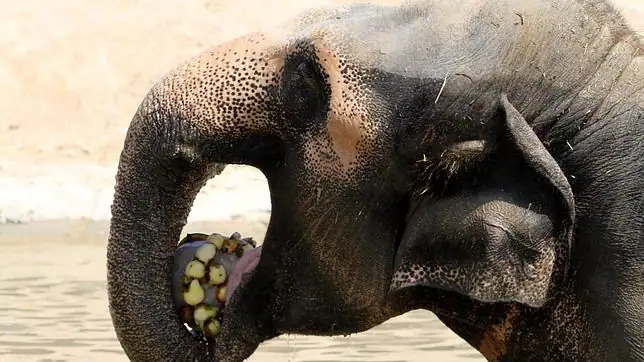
{"x": 479, "y": 159}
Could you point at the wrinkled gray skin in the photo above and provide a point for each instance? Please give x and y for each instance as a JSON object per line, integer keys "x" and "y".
{"x": 480, "y": 159}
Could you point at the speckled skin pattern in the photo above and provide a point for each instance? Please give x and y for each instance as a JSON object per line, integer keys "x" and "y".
{"x": 480, "y": 159}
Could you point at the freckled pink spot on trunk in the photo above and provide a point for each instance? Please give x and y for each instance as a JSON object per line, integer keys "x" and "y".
{"x": 246, "y": 263}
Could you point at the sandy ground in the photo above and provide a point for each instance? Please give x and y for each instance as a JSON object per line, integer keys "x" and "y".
{"x": 73, "y": 73}
{"x": 55, "y": 307}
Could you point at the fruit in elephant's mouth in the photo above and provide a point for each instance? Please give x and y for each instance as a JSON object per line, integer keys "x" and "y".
{"x": 195, "y": 269}
{"x": 206, "y": 252}
{"x": 200, "y": 275}
{"x": 217, "y": 274}
{"x": 194, "y": 293}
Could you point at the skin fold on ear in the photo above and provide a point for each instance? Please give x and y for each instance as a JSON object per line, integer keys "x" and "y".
{"x": 496, "y": 233}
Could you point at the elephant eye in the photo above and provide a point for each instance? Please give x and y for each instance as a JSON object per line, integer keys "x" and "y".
{"x": 304, "y": 91}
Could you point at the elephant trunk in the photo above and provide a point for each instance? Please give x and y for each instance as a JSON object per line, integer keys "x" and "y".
{"x": 191, "y": 123}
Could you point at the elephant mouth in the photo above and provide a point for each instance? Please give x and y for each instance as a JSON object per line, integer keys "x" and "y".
{"x": 207, "y": 270}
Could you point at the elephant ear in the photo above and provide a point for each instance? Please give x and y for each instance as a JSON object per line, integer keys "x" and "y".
{"x": 538, "y": 158}
{"x": 498, "y": 235}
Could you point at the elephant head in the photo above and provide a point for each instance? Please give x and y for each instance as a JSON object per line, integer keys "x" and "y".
{"x": 330, "y": 114}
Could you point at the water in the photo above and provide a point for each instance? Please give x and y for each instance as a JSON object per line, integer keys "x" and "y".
{"x": 54, "y": 306}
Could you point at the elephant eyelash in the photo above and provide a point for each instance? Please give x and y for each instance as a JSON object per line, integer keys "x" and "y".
{"x": 456, "y": 162}
{"x": 518, "y": 240}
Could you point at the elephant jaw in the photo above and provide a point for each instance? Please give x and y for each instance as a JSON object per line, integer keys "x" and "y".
{"x": 246, "y": 264}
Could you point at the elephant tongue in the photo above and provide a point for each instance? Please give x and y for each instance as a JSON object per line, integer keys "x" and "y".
{"x": 245, "y": 264}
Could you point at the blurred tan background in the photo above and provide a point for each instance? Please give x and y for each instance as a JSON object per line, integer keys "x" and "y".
{"x": 72, "y": 74}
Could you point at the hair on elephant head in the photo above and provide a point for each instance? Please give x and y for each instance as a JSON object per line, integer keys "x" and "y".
{"x": 499, "y": 227}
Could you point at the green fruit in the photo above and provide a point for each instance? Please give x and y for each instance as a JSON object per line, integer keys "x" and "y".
{"x": 212, "y": 328}
{"x": 195, "y": 294}
{"x": 195, "y": 269}
{"x": 206, "y": 252}
{"x": 216, "y": 240}
{"x": 204, "y": 312}
{"x": 217, "y": 274}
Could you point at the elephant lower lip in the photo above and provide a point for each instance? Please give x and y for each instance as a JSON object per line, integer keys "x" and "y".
{"x": 246, "y": 263}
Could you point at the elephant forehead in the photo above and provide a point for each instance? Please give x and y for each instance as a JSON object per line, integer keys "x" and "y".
{"x": 350, "y": 131}
{"x": 226, "y": 88}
